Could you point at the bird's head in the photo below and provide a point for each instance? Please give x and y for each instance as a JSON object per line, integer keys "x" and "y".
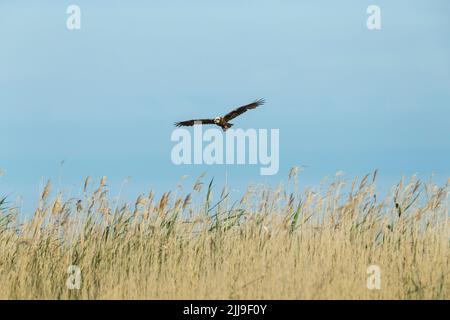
{"x": 217, "y": 120}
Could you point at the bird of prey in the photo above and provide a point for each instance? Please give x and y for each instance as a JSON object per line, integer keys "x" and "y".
{"x": 223, "y": 121}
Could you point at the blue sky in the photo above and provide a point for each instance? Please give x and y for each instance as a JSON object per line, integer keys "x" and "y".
{"x": 104, "y": 98}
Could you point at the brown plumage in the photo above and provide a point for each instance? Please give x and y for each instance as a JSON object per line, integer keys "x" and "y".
{"x": 223, "y": 121}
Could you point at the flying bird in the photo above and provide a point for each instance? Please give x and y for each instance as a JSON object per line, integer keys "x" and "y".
{"x": 223, "y": 122}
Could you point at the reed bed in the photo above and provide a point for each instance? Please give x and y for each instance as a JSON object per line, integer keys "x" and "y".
{"x": 273, "y": 243}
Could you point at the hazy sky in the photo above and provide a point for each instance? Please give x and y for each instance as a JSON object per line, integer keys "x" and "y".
{"x": 104, "y": 98}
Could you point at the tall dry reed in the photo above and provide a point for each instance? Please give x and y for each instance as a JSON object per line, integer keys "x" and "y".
{"x": 271, "y": 244}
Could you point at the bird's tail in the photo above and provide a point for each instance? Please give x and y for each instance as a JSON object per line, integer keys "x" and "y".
{"x": 227, "y": 126}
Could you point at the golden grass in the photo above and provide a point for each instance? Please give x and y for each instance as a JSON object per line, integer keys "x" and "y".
{"x": 272, "y": 244}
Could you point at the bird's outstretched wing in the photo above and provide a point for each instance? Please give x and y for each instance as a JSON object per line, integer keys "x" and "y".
{"x": 236, "y": 112}
{"x": 192, "y": 122}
